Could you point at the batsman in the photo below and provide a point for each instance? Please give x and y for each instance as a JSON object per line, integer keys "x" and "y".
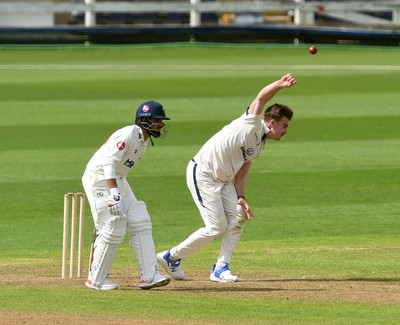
{"x": 114, "y": 206}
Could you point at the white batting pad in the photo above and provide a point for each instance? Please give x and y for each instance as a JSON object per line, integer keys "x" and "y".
{"x": 106, "y": 247}
{"x": 141, "y": 241}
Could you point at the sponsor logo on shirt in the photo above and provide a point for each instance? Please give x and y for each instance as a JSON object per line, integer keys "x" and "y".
{"x": 246, "y": 153}
{"x": 129, "y": 163}
{"x": 121, "y": 145}
{"x": 243, "y": 153}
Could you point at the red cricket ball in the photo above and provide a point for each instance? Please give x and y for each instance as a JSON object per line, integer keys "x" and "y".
{"x": 313, "y": 49}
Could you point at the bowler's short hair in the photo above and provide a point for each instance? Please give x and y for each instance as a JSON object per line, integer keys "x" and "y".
{"x": 277, "y": 111}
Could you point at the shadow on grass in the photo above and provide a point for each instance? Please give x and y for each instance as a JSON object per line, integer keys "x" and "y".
{"x": 271, "y": 285}
{"x": 332, "y": 280}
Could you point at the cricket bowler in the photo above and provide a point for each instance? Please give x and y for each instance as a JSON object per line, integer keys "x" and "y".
{"x": 217, "y": 178}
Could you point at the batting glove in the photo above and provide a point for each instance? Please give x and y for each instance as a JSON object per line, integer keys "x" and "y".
{"x": 115, "y": 205}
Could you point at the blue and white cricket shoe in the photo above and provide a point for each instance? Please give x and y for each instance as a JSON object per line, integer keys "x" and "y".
{"x": 173, "y": 268}
{"x": 222, "y": 274}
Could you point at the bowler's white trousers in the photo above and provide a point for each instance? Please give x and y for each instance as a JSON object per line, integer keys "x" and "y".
{"x": 222, "y": 216}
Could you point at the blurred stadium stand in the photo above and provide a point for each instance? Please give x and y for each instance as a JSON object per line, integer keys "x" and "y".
{"x": 370, "y": 22}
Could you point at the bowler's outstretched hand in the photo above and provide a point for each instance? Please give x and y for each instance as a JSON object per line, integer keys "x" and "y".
{"x": 288, "y": 81}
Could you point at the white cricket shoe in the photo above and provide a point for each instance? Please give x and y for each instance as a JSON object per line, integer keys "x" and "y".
{"x": 173, "y": 268}
{"x": 222, "y": 274}
{"x": 107, "y": 284}
{"x": 158, "y": 281}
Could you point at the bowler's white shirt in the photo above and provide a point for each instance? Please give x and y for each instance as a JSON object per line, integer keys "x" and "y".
{"x": 238, "y": 142}
{"x": 119, "y": 153}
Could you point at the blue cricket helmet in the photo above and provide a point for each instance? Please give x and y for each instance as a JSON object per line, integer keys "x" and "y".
{"x": 151, "y": 109}
{"x": 148, "y": 111}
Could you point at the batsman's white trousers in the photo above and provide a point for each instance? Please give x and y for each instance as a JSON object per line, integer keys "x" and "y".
{"x": 138, "y": 220}
{"x": 97, "y": 192}
{"x": 222, "y": 216}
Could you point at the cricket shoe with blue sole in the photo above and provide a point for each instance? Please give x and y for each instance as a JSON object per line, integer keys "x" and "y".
{"x": 222, "y": 274}
{"x": 173, "y": 268}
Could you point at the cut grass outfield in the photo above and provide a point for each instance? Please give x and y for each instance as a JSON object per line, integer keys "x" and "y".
{"x": 325, "y": 198}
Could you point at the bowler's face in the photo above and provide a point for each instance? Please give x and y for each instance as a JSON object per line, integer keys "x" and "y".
{"x": 278, "y": 129}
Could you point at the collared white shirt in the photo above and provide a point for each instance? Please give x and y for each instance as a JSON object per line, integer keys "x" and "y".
{"x": 238, "y": 142}
{"x": 119, "y": 153}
